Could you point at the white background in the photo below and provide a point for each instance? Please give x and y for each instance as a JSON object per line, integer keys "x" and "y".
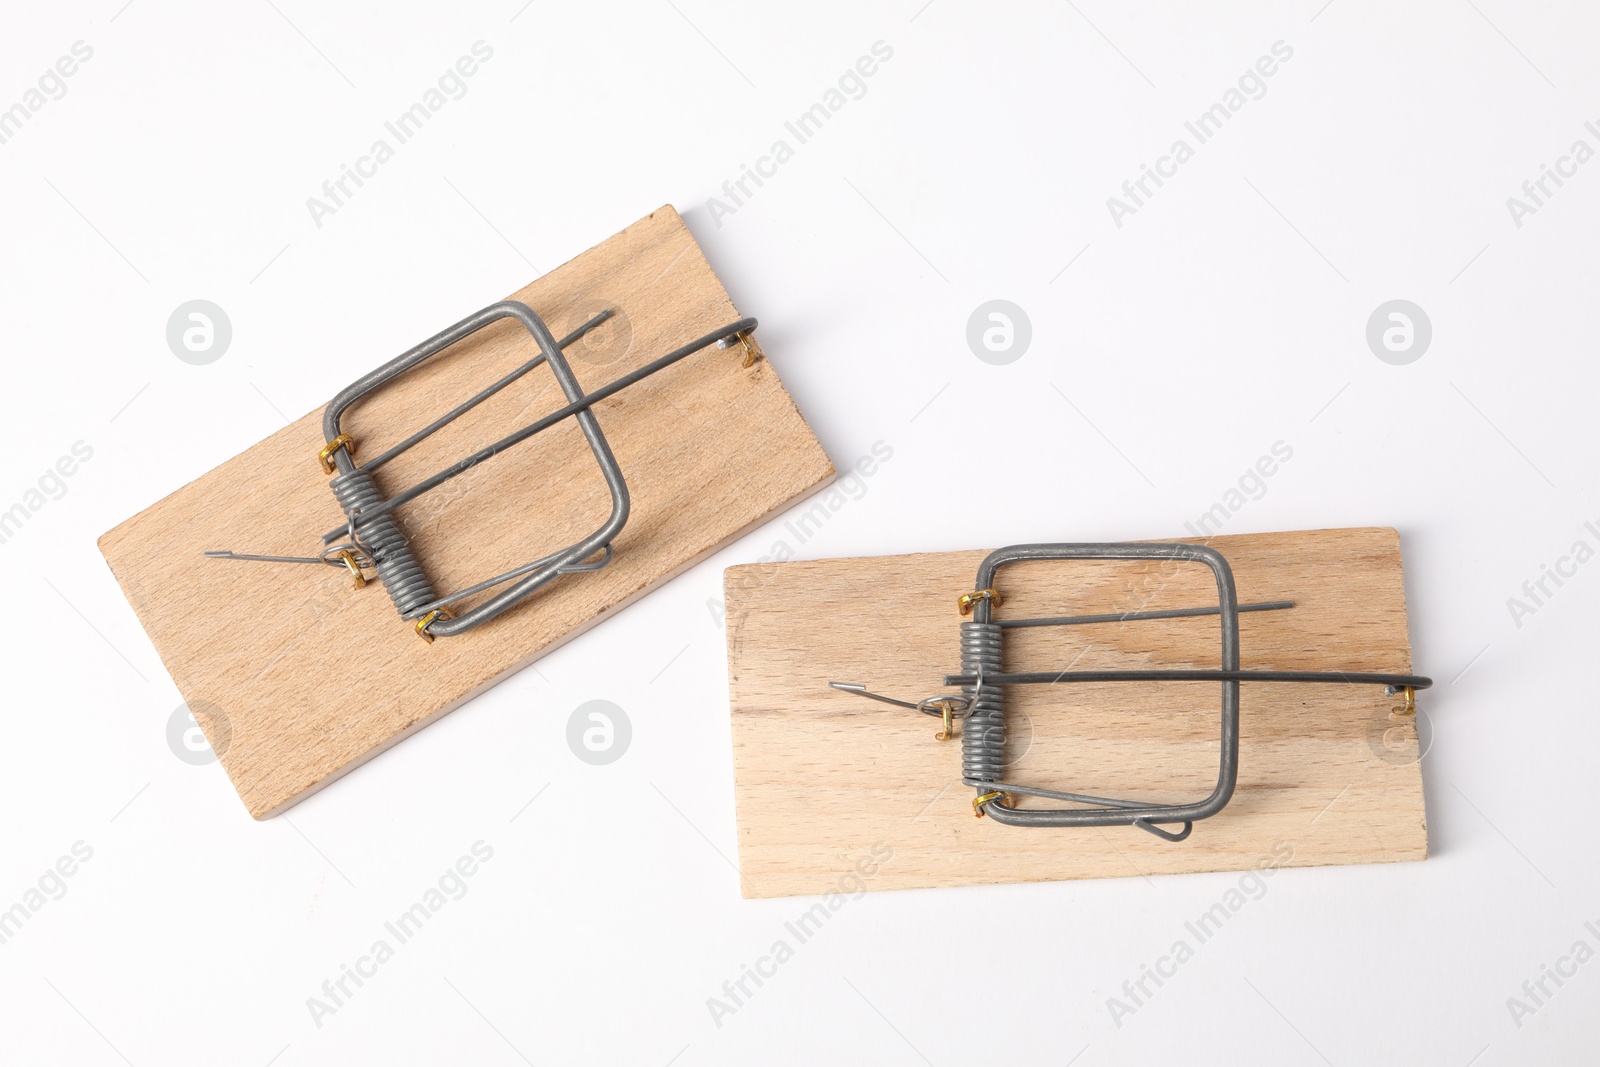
{"x": 1227, "y": 314}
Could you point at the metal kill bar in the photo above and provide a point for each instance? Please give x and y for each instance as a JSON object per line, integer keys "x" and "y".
{"x": 983, "y": 730}
{"x": 983, "y": 680}
{"x": 371, "y": 527}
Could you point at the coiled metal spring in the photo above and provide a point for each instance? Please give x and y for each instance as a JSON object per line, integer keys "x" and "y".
{"x": 983, "y": 727}
{"x": 383, "y": 540}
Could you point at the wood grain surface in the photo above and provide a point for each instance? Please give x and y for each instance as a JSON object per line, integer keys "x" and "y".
{"x": 709, "y": 449}
{"x": 824, "y": 778}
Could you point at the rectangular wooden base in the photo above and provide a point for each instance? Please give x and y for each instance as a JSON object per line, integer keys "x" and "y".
{"x": 825, "y": 778}
{"x": 297, "y": 679}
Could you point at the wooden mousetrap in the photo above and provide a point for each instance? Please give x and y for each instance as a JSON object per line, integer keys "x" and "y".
{"x": 662, "y": 434}
{"x": 1098, "y": 717}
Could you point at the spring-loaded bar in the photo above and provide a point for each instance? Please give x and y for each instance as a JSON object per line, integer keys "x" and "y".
{"x": 981, "y": 706}
{"x": 372, "y": 537}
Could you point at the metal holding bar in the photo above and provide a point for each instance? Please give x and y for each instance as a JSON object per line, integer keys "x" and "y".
{"x": 1138, "y": 616}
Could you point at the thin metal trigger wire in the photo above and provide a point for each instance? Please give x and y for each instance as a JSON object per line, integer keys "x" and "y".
{"x": 329, "y": 556}
{"x": 223, "y": 553}
{"x": 861, "y": 691}
{"x": 351, "y": 556}
{"x": 928, "y": 705}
